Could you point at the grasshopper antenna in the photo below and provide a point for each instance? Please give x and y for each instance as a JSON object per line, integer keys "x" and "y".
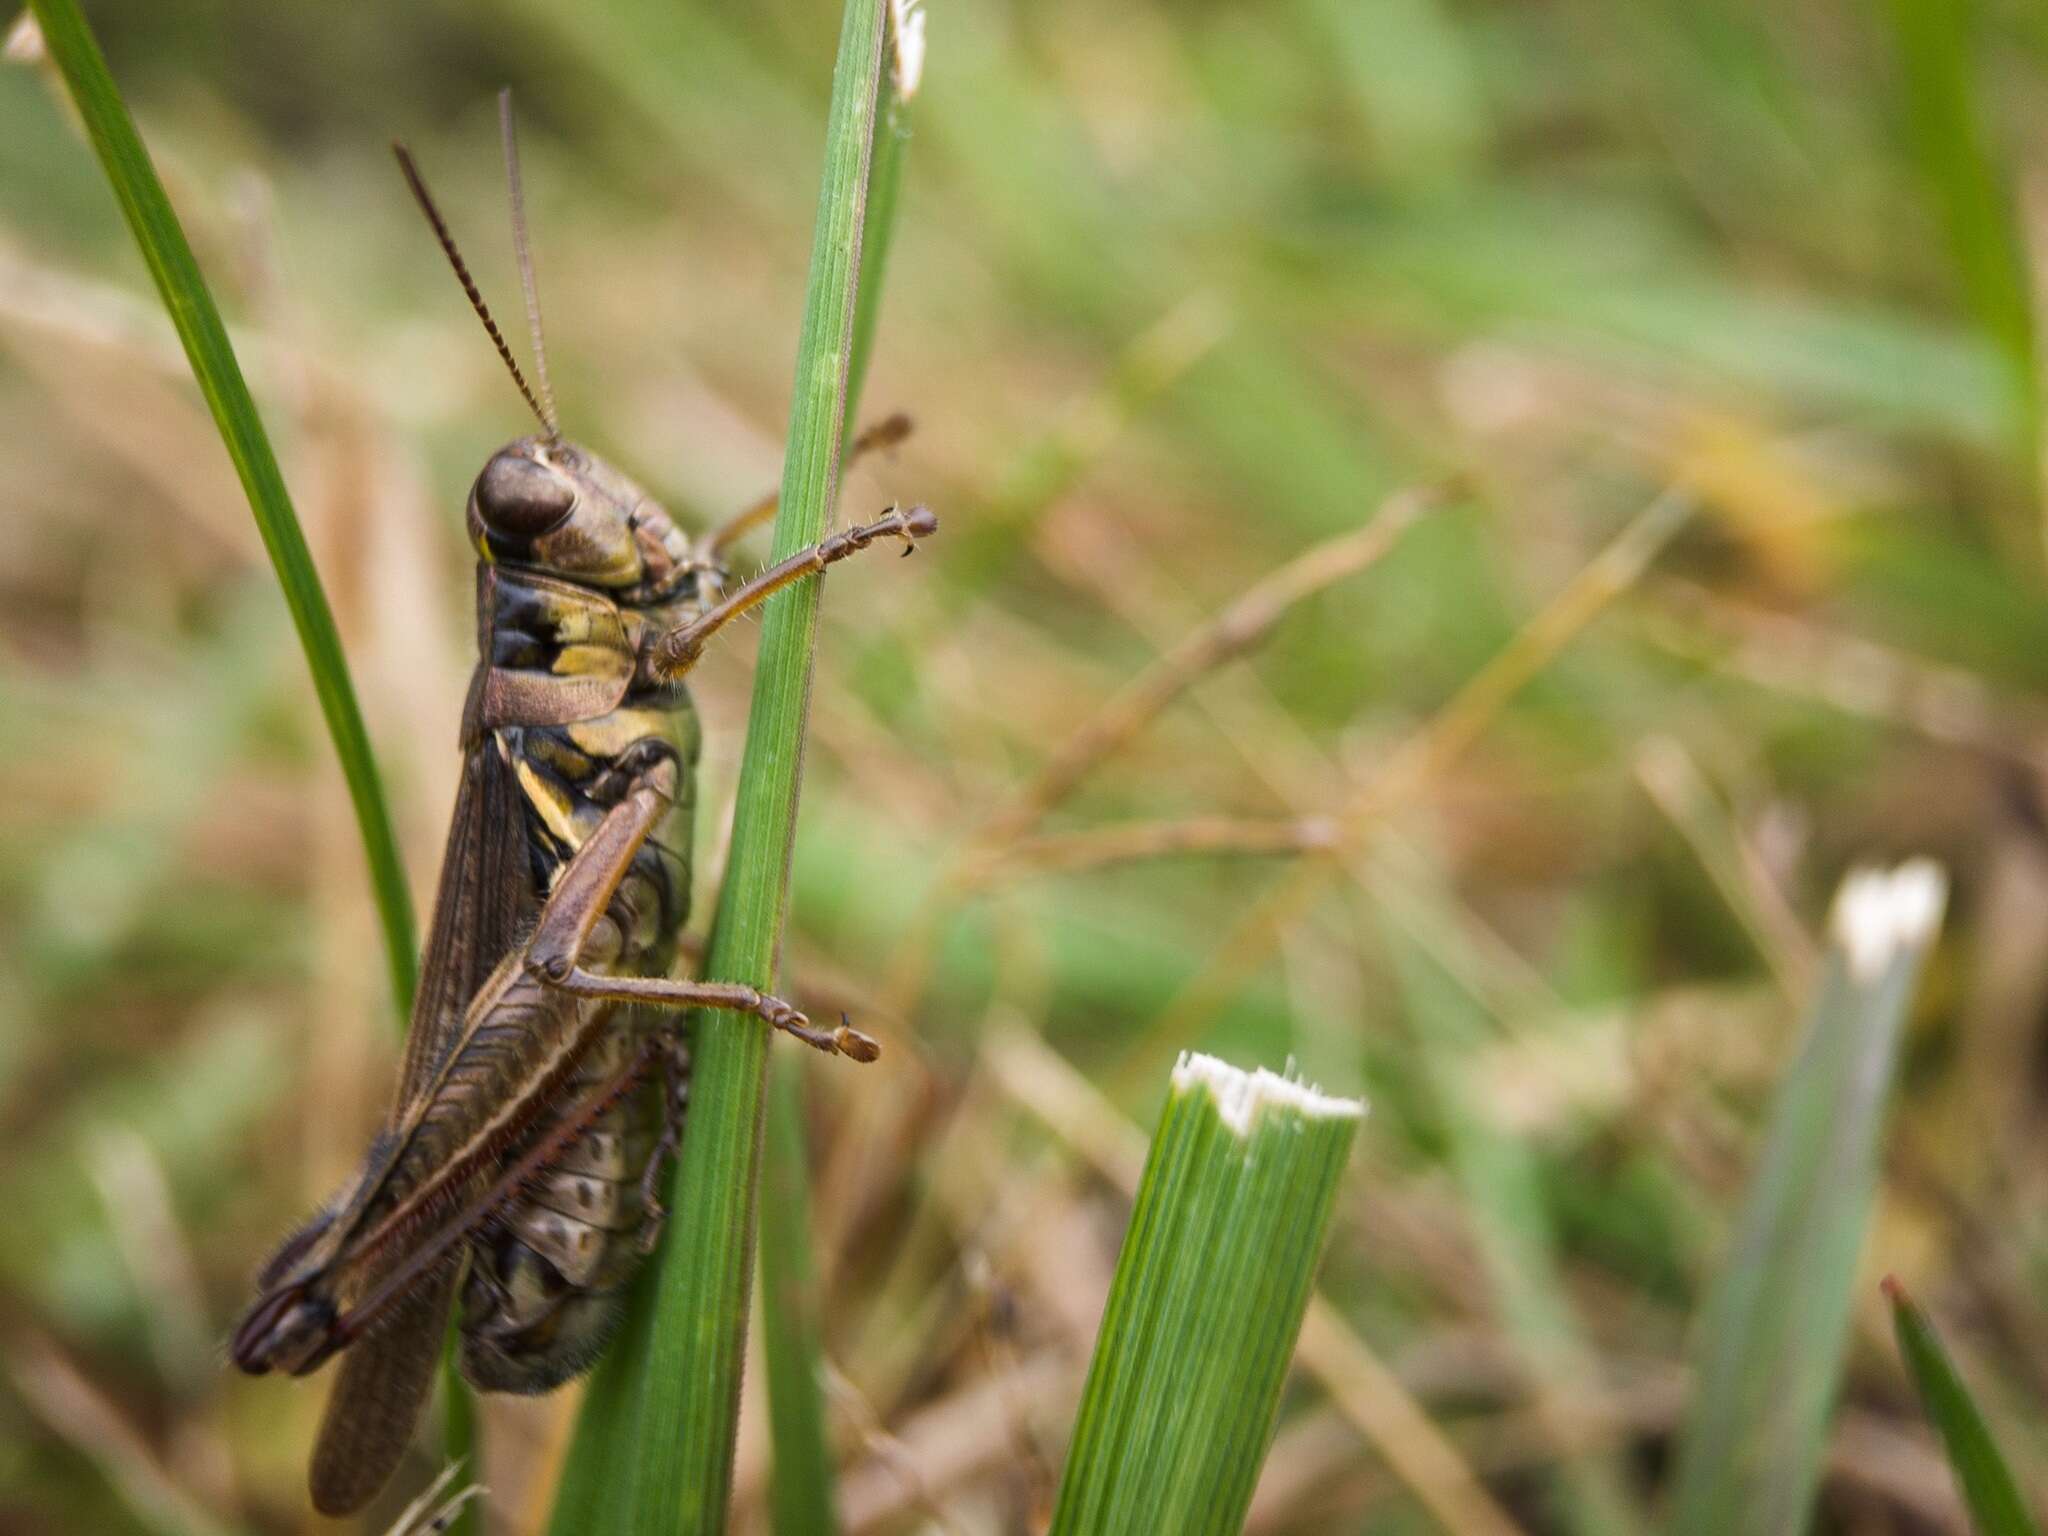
{"x": 523, "y": 248}
{"x": 476, "y": 300}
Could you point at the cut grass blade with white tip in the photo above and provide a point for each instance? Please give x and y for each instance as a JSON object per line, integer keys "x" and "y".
{"x": 1769, "y": 1353}
{"x": 1982, "y": 1477}
{"x": 1206, "y": 1304}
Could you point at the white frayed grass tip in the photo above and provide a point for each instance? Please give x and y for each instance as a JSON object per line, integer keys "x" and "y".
{"x": 1879, "y": 912}
{"x": 24, "y": 43}
{"x": 1241, "y": 1095}
{"x": 906, "y": 18}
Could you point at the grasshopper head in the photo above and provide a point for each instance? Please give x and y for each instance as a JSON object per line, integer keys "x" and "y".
{"x": 542, "y": 502}
{"x": 545, "y": 503}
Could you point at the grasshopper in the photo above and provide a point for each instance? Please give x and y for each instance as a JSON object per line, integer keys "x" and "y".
{"x": 545, "y": 1072}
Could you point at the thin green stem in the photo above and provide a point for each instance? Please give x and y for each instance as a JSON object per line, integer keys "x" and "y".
{"x": 800, "y": 1484}
{"x": 169, "y": 258}
{"x": 166, "y": 252}
{"x": 654, "y": 1447}
{"x": 800, "y": 1488}
{"x": 885, "y": 181}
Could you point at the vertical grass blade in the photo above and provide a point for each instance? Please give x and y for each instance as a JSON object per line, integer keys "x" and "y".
{"x": 1982, "y": 1477}
{"x": 169, "y": 258}
{"x": 178, "y": 281}
{"x": 800, "y": 1484}
{"x": 1206, "y": 1304}
{"x": 653, "y": 1450}
{"x": 1769, "y": 1352}
{"x": 1970, "y": 184}
{"x": 800, "y": 1481}
{"x": 885, "y": 181}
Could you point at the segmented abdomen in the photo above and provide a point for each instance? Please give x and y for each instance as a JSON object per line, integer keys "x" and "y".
{"x": 543, "y": 1294}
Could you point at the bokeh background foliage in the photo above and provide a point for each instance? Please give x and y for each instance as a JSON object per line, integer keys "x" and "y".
{"x": 1176, "y": 293}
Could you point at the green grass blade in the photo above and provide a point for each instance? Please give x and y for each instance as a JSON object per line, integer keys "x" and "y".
{"x": 800, "y": 1486}
{"x": 1986, "y": 1483}
{"x": 1206, "y": 1304}
{"x": 654, "y": 1447}
{"x": 460, "y": 1442}
{"x": 885, "y": 181}
{"x": 197, "y": 319}
{"x": 1971, "y": 186}
{"x": 169, "y": 258}
{"x": 1776, "y": 1323}
{"x": 800, "y": 1481}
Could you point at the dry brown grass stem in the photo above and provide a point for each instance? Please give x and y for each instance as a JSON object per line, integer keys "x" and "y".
{"x": 1127, "y": 842}
{"x": 73, "y": 1408}
{"x": 948, "y": 1442}
{"x": 1419, "y": 761}
{"x": 888, "y": 1453}
{"x": 1232, "y": 633}
{"x": 1361, "y": 1385}
{"x": 1855, "y": 675}
{"x": 1302, "y": 776}
{"x": 1674, "y": 782}
{"x": 1197, "y": 656}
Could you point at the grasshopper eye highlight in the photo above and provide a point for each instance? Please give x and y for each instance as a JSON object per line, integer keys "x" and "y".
{"x": 519, "y": 498}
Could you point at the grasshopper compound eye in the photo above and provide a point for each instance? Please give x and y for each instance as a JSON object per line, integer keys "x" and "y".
{"x": 519, "y": 498}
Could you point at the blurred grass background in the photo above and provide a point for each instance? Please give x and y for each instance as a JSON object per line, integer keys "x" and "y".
{"x": 1177, "y": 292}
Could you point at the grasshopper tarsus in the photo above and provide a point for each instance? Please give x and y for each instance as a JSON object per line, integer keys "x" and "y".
{"x": 852, "y": 1043}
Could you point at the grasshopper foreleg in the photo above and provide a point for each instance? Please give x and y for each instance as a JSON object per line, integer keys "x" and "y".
{"x": 677, "y": 651}
{"x": 585, "y": 889}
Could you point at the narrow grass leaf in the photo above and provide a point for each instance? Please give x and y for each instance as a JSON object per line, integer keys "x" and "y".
{"x": 1775, "y": 1325}
{"x": 800, "y": 1482}
{"x": 800, "y": 1496}
{"x": 1970, "y": 183}
{"x": 1986, "y": 1483}
{"x": 653, "y": 1449}
{"x": 183, "y": 289}
{"x": 185, "y": 294}
{"x": 885, "y": 181}
{"x": 1206, "y": 1304}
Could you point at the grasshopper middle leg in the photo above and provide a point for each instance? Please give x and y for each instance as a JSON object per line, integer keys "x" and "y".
{"x": 554, "y": 954}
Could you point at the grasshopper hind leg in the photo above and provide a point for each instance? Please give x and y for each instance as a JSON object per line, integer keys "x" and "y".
{"x": 675, "y": 1102}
